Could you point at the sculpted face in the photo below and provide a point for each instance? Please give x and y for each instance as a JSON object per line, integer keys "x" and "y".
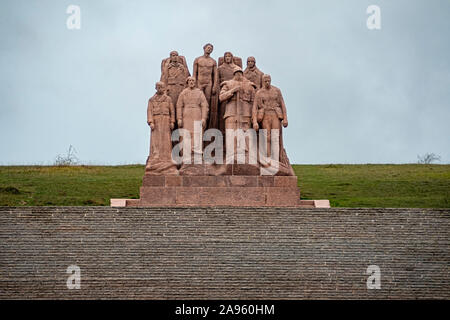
{"x": 208, "y": 49}
{"x": 159, "y": 87}
{"x": 266, "y": 81}
{"x": 238, "y": 76}
{"x": 174, "y": 56}
{"x": 228, "y": 57}
{"x": 251, "y": 62}
{"x": 191, "y": 83}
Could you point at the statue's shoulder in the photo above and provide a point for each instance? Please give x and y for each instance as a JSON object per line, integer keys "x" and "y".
{"x": 152, "y": 98}
{"x": 276, "y": 89}
{"x": 227, "y": 83}
{"x": 197, "y": 59}
{"x": 183, "y": 92}
{"x": 167, "y": 98}
{"x": 249, "y": 83}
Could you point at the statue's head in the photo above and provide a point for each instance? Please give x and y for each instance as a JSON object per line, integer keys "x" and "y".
{"x": 238, "y": 74}
{"x": 190, "y": 82}
{"x": 174, "y": 56}
{"x": 228, "y": 57}
{"x": 251, "y": 62}
{"x": 160, "y": 87}
{"x": 208, "y": 48}
{"x": 266, "y": 79}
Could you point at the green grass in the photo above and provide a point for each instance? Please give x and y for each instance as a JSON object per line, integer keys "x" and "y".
{"x": 373, "y": 185}
{"x": 412, "y": 185}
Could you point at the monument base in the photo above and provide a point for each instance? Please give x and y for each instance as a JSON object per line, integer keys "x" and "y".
{"x": 224, "y": 190}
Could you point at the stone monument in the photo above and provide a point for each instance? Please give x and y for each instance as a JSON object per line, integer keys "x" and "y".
{"x": 247, "y": 166}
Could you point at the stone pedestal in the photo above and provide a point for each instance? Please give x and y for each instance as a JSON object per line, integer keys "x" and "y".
{"x": 237, "y": 186}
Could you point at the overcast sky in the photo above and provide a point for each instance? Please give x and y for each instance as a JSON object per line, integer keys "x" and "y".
{"x": 353, "y": 95}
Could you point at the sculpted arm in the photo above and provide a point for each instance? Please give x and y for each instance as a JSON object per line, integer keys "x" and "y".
{"x": 195, "y": 69}
{"x": 150, "y": 114}
{"x": 172, "y": 113}
{"x": 283, "y": 108}
{"x": 255, "y": 112}
{"x": 226, "y": 93}
{"x": 164, "y": 74}
{"x": 180, "y": 105}
{"x": 183, "y": 59}
{"x": 186, "y": 72}
{"x": 205, "y": 109}
{"x": 215, "y": 79}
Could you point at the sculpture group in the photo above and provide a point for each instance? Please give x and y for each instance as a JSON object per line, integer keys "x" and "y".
{"x": 218, "y": 96}
{"x": 216, "y": 138}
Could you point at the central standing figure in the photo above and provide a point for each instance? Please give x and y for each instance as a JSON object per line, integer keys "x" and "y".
{"x": 205, "y": 72}
{"x": 225, "y": 73}
{"x": 238, "y": 95}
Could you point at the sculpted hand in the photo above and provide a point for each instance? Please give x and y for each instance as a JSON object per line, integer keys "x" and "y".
{"x": 180, "y": 123}
{"x": 172, "y": 125}
{"x": 214, "y": 90}
{"x": 236, "y": 89}
{"x": 285, "y": 123}
{"x": 255, "y": 126}
{"x": 152, "y": 125}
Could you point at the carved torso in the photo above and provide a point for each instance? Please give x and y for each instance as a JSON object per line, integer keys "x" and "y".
{"x": 269, "y": 99}
{"x": 176, "y": 74}
{"x": 241, "y": 101}
{"x": 160, "y": 105}
{"x": 254, "y": 75}
{"x": 225, "y": 72}
{"x": 192, "y": 98}
{"x": 205, "y": 67}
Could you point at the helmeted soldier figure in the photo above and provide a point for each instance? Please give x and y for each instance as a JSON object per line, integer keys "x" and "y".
{"x": 252, "y": 73}
{"x": 174, "y": 75}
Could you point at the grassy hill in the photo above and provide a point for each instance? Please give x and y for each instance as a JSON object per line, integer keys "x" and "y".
{"x": 411, "y": 185}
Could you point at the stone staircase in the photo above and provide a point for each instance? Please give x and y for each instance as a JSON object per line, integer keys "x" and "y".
{"x": 224, "y": 253}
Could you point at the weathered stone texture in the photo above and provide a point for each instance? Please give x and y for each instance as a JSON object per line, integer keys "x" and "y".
{"x": 215, "y": 253}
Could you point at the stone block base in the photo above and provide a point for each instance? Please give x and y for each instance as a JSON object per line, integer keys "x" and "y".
{"x": 211, "y": 191}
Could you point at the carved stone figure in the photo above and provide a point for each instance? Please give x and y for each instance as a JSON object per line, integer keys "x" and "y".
{"x": 161, "y": 119}
{"x": 205, "y": 72}
{"x": 236, "y": 60}
{"x": 269, "y": 110}
{"x": 192, "y": 106}
{"x": 174, "y": 74}
{"x": 226, "y": 69}
{"x": 238, "y": 95}
{"x": 252, "y": 73}
{"x": 225, "y": 72}
{"x": 181, "y": 59}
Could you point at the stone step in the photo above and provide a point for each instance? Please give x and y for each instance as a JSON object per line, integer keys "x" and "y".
{"x": 224, "y": 253}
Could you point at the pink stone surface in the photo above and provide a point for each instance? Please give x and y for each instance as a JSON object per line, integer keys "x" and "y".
{"x": 158, "y": 195}
{"x": 247, "y": 101}
{"x": 285, "y": 181}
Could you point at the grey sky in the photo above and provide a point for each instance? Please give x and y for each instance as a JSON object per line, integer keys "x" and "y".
{"x": 353, "y": 95}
